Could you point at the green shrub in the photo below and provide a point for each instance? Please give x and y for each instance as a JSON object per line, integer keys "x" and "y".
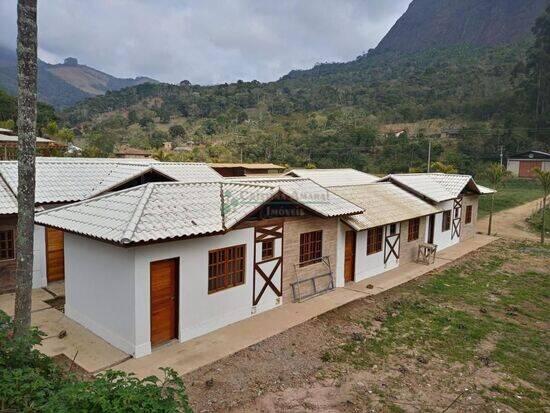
{"x": 32, "y": 382}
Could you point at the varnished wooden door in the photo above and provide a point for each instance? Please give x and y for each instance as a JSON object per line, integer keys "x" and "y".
{"x": 349, "y": 257}
{"x": 55, "y": 255}
{"x": 164, "y": 300}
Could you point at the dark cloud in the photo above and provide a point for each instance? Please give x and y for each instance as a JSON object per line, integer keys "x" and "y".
{"x": 205, "y": 41}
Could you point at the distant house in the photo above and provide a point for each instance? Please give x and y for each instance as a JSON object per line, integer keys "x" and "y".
{"x": 334, "y": 177}
{"x": 450, "y": 133}
{"x": 246, "y": 169}
{"x": 127, "y": 152}
{"x": 523, "y": 164}
{"x": 44, "y": 147}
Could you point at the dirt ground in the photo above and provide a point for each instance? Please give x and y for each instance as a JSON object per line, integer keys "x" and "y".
{"x": 511, "y": 223}
{"x": 380, "y": 354}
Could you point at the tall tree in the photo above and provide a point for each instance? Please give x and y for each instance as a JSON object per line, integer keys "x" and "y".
{"x": 544, "y": 179}
{"x": 496, "y": 174}
{"x": 26, "y": 123}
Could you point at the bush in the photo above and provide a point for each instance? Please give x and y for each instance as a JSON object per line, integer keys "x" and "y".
{"x": 31, "y": 382}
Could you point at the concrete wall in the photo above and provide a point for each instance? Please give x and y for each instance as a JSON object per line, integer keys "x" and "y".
{"x": 99, "y": 289}
{"x": 370, "y": 265}
{"x": 293, "y": 227}
{"x": 469, "y": 230}
{"x": 200, "y": 312}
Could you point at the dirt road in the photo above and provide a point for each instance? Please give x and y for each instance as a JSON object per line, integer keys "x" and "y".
{"x": 511, "y": 223}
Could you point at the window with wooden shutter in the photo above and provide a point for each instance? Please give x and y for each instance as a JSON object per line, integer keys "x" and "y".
{"x": 468, "y": 214}
{"x": 374, "y": 240}
{"x": 7, "y": 245}
{"x": 414, "y": 229}
{"x": 311, "y": 247}
{"x": 226, "y": 267}
{"x": 446, "y": 223}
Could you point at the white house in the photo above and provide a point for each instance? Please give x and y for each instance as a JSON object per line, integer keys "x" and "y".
{"x": 60, "y": 181}
{"x": 456, "y": 196}
{"x": 387, "y": 233}
{"x": 166, "y": 261}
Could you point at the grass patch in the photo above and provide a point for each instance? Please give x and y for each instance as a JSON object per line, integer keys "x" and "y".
{"x": 450, "y": 314}
{"x": 516, "y": 192}
{"x": 535, "y": 221}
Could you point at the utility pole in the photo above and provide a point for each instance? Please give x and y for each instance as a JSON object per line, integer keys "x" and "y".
{"x": 501, "y": 154}
{"x": 429, "y": 154}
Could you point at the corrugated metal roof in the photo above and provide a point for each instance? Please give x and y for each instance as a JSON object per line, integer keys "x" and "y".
{"x": 384, "y": 203}
{"x": 15, "y": 138}
{"x": 8, "y": 201}
{"x": 335, "y": 177}
{"x": 308, "y": 193}
{"x": 436, "y": 186}
{"x": 485, "y": 190}
{"x": 247, "y": 165}
{"x": 75, "y": 179}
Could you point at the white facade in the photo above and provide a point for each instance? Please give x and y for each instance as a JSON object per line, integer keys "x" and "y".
{"x": 444, "y": 239}
{"x": 108, "y": 288}
{"x": 39, "y": 276}
{"x": 370, "y": 265}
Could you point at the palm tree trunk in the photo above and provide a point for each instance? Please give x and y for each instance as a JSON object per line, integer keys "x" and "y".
{"x": 26, "y": 123}
{"x": 491, "y": 214}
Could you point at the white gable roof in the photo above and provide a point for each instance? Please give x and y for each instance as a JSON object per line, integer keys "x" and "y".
{"x": 308, "y": 193}
{"x": 167, "y": 210}
{"x": 437, "y": 187}
{"x": 334, "y": 177}
{"x": 75, "y": 179}
{"x": 8, "y": 201}
{"x": 384, "y": 203}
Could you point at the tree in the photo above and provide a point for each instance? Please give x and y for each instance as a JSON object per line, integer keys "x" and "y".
{"x": 132, "y": 117}
{"x": 65, "y": 134}
{"x": 177, "y": 131}
{"x": 497, "y": 175}
{"x": 26, "y": 124}
{"x": 444, "y": 168}
{"x": 544, "y": 179}
{"x": 51, "y": 128}
{"x": 158, "y": 138}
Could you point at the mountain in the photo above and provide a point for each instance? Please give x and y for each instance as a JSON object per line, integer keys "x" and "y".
{"x": 442, "y": 23}
{"x": 63, "y": 85}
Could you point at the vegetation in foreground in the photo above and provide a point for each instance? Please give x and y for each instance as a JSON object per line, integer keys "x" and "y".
{"x": 33, "y": 382}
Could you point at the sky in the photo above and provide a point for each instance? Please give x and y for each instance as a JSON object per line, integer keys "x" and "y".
{"x": 205, "y": 41}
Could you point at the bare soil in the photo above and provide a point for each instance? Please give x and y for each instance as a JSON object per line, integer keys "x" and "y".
{"x": 296, "y": 372}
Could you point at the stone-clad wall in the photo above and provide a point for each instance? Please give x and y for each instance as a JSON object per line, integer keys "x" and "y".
{"x": 469, "y": 230}
{"x": 408, "y": 249}
{"x": 291, "y": 249}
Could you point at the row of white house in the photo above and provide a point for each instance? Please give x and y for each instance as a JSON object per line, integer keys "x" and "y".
{"x": 151, "y": 252}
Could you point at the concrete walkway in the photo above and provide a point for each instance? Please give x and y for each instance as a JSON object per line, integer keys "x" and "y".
{"x": 193, "y": 354}
{"x": 511, "y": 223}
{"x": 89, "y": 351}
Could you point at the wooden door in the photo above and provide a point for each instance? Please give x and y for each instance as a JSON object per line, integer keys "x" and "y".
{"x": 55, "y": 255}
{"x": 164, "y": 300}
{"x": 431, "y": 229}
{"x": 349, "y": 260}
{"x": 526, "y": 168}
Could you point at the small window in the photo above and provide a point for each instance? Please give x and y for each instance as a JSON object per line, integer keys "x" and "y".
{"x": 226, "y": 268}
{"x": 374, "y": 240}
{"x": 468, "y": 214}
{"x": 446, "y": 224}
{"x": 311, "y": 247}
{"x": 267, "y": 249}
{"x": 7, "y": 247}
{"x": 393, "y": 229}
{"x": 414, "y": 229}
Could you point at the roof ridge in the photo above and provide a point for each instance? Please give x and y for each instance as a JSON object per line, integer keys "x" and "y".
{"x": 138, "y": 212}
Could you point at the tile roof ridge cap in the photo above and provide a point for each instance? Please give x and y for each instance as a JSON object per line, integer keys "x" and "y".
{"x": 138, "y": 212}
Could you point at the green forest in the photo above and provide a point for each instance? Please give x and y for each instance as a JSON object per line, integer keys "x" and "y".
{"x": 336, "y": 114}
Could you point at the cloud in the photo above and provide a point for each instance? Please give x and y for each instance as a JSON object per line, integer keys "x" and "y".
{"x": 205, "y": 41}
